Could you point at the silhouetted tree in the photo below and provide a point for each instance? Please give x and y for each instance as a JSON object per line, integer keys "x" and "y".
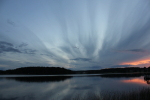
{"x": 39, "y": 71}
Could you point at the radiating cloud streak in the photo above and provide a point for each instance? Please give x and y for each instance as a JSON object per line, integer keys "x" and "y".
{"x": 76, "y": 34}
{"x": 81, "y": 59}
{"x": 136, "y": 50}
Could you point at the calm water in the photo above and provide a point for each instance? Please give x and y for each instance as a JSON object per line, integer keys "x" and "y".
{"x": 64, "y": 87}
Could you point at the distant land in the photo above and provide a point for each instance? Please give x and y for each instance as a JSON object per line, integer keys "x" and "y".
{"x": 59, "y": 70}
{"x": 37, "y": 71}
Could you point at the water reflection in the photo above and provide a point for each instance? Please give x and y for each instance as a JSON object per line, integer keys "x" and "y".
{"x": 144, "y": 81}
{"x": 64, "y": 87}
{"x": 13, "y": 89}
{"x": 135, "y": 81}
{"x": 121, "y": 75}
{"x": 40, "y": 78}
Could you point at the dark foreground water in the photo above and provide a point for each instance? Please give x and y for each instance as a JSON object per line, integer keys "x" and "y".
{"x": 65, "y": 87}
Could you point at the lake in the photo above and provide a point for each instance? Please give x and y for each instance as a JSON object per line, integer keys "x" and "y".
{"x": 65, "y": 87}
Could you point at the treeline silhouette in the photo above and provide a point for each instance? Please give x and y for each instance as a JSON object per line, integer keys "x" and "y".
{"x": 37, "y": 71}
{"x": 122, "y": 75}
{"x": 117, "y": 70}
{"x": 59, "y": 70}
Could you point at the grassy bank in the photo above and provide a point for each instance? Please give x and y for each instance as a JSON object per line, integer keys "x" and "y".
{"x": 139, "y": 94}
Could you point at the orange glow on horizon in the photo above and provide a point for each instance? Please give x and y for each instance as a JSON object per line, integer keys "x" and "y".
{"x": 138, "y": 62}
{"x": 136, "y": 80}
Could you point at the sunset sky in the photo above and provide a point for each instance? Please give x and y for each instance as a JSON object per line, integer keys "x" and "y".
{"x": 74, "y": 34}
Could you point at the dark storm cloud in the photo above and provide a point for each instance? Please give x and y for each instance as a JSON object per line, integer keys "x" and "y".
{"x": 8, "y": 47}
{"x": 81, "y": 59}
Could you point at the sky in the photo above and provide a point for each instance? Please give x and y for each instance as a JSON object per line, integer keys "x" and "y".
{"x": 74, "y": 34}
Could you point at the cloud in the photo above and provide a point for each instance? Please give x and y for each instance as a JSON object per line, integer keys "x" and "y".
{"x": 48, "y": 55}
{"x": 137, "y": 50}
{"x": 81, "y": 59}
{"x": 118, "y": 66}
{"x": 8, "y": 47}
{"x": 10, "y": 22}
{"x": 134, "y": 51}
{"x": 94, "y": 67}
{"x": 29, "y": 51}
{"x": 5, "y": 43}
{"x": 23, "y": 45}
{"x": 78, "y": 33}
{"x": 137, "y": 62}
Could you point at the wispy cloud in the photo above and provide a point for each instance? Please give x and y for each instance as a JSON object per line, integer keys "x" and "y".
{"x": 76, "y": 33}
{"x": 94, "y": 67}
{"x": 8, "y": 47}
{"x": 81, "y": 59}
{"x": 10, "y": 22}
{"x": 119, "y": 66}
{"x": 135, "y": 51}
{"x": 29, "y": 51}
{"x": 23, "y": 45}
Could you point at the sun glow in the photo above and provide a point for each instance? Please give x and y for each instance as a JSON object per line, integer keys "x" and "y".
{"x": 138, "y": 62}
